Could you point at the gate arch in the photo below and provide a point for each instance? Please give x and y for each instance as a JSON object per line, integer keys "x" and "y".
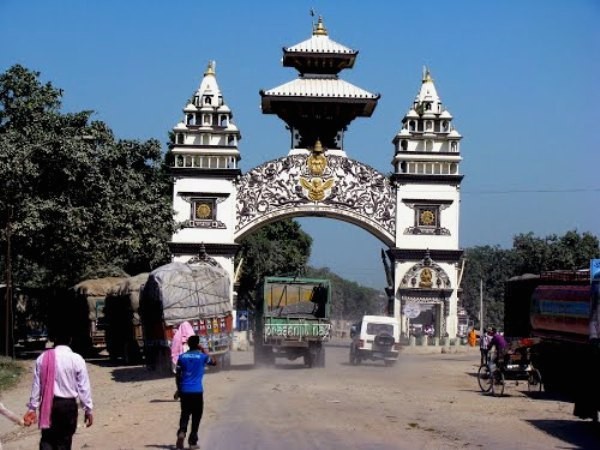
{"x": 338, "y": 187}
{"x": 413, "y": 209}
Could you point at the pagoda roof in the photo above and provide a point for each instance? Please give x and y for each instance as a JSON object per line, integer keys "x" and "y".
{"x": 320, "y": 87}
{"x": 320, "y": 44}
{"x": 319, "y": 53}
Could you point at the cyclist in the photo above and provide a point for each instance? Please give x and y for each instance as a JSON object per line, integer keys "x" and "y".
{"x": 499, "y": 344}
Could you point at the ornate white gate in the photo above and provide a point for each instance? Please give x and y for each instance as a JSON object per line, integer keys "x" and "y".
{"x": 414, "y": 211}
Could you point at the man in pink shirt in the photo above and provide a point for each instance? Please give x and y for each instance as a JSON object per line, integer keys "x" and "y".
{"x": 60, "y": 378}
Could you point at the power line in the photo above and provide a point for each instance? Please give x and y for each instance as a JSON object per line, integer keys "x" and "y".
{"x": 531, "y": 191}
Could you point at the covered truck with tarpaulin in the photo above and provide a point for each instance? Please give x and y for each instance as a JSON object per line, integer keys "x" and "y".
{"x": 197, "y": 292}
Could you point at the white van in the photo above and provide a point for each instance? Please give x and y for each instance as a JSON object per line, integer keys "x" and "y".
{"x": 375, "y": 338}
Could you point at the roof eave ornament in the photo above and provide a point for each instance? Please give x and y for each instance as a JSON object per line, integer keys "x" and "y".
{"x": 319, "y": 29}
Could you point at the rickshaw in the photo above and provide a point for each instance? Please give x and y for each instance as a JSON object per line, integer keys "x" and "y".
{"x": 515, "y": 366}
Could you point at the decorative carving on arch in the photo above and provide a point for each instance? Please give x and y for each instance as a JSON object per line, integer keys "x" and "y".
{"x": 317, "y": 183}
{"x": 426, "y": 274}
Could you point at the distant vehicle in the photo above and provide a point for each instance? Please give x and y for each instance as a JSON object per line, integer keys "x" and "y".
{"x": 463, "y": 323}
{"x": 416, "y": 329}
{"x": 377, "y": 338}
{"x": 292, "y": 320}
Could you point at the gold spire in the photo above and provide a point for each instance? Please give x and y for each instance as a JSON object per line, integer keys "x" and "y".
{"x": 210, "y": 70}
{"x": 318, "y": 148}
{"x": 426, "y": 75}
{"x": 319, "y": 29}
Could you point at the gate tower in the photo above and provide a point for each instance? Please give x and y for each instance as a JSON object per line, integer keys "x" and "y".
{"x": 204, "y": 168}
{"x": 414, "y": 212}
{"x": 427, "y": 179}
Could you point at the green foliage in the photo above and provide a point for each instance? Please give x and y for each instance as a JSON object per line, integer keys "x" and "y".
{"x": 349, "y": 300}
{"x": 10, "y": 372}
{"x": 571, "y": 251}
{"x": 277, "y": 249}
{"x": 494, "y": 266}
{"x": 530, "y": 254}
{"x": 77, "y": 201}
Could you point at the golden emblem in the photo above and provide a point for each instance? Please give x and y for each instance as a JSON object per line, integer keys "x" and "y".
{"x": 426, "y": 278}
{"x": 427, "y": 217}
{"x": 316, "y": 187}
{"x": 203, "y": 211}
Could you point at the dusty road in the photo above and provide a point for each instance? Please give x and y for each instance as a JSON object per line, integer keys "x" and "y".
{"x": 425, "y": 402}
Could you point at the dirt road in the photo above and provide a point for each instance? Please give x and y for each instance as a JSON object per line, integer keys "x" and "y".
{"x": 424, "y": 402}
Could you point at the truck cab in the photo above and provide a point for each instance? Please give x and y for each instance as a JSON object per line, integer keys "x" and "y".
{"x": 376, "y": 338}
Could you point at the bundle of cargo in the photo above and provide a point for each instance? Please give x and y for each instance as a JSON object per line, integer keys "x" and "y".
{"x": 87, "y": 313}
{"x": 198, "y": 292}
{"x": 124, "y": 338}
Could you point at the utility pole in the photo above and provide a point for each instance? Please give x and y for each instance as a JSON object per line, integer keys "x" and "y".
{"x": 481, "y": 307}
{"x": 8, "y": 297}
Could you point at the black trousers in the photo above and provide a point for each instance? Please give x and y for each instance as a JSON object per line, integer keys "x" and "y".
{"x": 192, "y": 404}
{"x": 63, "y": 423}
{"x": 484, "y": 355}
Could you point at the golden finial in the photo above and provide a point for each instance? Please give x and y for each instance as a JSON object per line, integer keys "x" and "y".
{"x": 210, "y": 70}
{"x": 426, "y": 75}
{"x": 317, "y": 161}
{"x": 319, "y": 29}
{"x": 318, "y": 146}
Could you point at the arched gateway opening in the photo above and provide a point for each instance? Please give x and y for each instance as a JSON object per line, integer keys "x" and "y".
{"x": 413, "y": 211}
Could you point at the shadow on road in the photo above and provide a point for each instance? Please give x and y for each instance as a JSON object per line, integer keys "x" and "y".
{"x": 582, "y": 435}
{"x": 138, "y": 373}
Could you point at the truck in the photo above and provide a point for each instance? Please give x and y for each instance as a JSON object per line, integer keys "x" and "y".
{"x": 559, "y": 309}
{"x": 292, "y": 320}
{"x": 87, "y": 300}
{"x": 123, "y": 327}
{"x": 198, "y": 292}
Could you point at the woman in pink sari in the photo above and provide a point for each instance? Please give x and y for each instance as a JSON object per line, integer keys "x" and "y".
{"x": 179, "y": 343}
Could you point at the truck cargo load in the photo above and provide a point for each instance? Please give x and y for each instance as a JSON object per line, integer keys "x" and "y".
{"x": 124, "y": 337}
{"x": 197, "y": 292}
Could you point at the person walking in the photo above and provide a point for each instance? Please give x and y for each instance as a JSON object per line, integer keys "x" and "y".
{"x": 484, "y": 343}
{"x": 59, "y": 379}
{"x": 472, "y": 337}
{"x": 188, "y": 376}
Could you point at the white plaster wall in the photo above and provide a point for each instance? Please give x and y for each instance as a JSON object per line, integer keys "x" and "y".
{"x": 225, "y": 210}
{"x": 406, "y": 217}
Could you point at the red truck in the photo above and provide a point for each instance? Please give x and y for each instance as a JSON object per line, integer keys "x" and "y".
{"x": 560, "y": 308}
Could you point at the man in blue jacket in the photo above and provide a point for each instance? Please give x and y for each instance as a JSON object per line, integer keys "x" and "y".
{"x": 188, "y": 375}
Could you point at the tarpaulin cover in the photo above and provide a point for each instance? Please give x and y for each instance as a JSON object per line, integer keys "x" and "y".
{"x": 187, "y": 291}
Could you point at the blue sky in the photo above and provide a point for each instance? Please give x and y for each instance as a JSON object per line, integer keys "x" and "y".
{"x": 520, "y": 78}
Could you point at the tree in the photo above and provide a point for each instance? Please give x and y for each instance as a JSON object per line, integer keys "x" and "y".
{"x": 77, "y": 202}
{"x": 277, "y": 249}
{"x": 529, "y": 254}
{"x": 492, "y": 266}
{"x": 572, "y": 251}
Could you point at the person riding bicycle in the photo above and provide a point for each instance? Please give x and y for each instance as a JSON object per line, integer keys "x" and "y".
{"x": 499, "y": 344}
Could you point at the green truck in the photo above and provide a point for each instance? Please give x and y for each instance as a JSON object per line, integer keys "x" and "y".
{"x": 292, "y": 320}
